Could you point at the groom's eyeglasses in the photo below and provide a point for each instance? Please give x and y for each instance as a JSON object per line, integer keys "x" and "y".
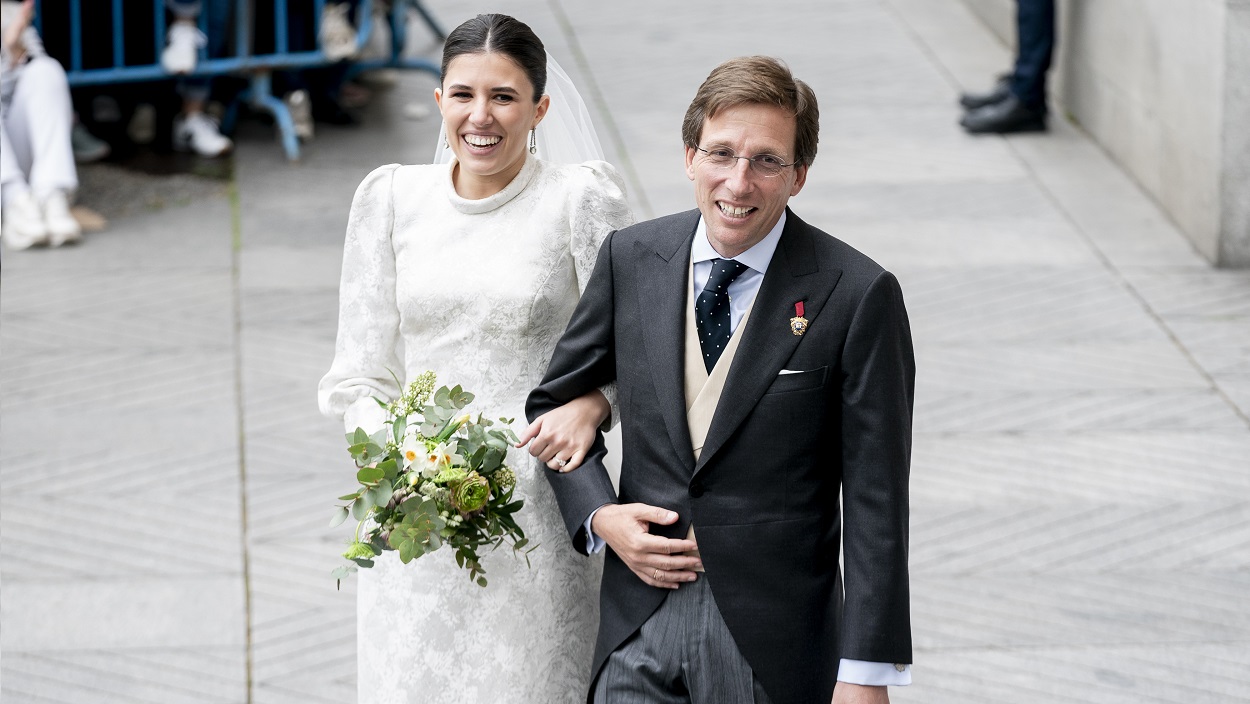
{"x": 766, "y": 165}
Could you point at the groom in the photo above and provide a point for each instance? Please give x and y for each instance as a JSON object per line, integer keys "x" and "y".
{"x": 763, "y": 367}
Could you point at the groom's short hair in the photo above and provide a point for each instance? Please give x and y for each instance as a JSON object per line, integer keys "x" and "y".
{"x": 762, "y": 80}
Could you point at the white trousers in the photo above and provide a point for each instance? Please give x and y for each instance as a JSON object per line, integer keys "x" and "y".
{"x": 35, "y": 146}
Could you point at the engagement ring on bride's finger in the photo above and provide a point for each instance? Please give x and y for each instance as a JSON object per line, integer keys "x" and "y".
{"x": 560, "y": 462}
{"x": 656, "y": 575}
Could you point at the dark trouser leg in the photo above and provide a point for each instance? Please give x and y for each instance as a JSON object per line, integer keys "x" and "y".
{"x": 683, "y": 654}
{"x": 1035, "y": 35}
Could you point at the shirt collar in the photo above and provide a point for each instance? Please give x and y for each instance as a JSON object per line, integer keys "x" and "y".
{"x": 757, "y": 257}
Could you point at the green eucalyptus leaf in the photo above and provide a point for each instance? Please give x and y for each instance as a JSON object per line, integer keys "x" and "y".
{"x": 383, "y": 491}
{"x": 359, "y": 510}
{"x": 349, "y": 497}
{"x": 493, "y": 458}
{"x": 370, "y": 475}
{"x": 341, "y": 573}
{"x": 418, "y": 533}
{"x": 340, "y": 514}
{"x": 359, "y": 437}
{"x": 390, "y": 469}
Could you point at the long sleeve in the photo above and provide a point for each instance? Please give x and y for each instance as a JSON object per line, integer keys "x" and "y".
{"x": 584, "y": 359}
{"x": 601, "y": 208}
{"x": 878, "y": 370}
{"x": 366, "y": 360}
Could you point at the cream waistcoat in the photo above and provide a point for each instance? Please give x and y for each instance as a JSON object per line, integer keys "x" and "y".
{"x": 703, "y": 390}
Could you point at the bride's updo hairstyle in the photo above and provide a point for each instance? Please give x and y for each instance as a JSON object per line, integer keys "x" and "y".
{"x": 500, "y": 34}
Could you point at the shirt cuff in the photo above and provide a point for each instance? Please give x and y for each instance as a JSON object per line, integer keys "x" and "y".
{"x": 594, "y": 543}
{"x": 873, "y": 674}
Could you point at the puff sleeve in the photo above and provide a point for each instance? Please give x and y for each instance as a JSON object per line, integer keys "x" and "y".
{"x": 599, "y": 208}
{"x": 366, "y": 359}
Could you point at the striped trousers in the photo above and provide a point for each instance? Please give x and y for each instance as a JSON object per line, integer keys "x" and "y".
{"x": 683, "y": 654}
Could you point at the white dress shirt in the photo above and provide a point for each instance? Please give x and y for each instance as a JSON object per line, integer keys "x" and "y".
{"x": 741, "y": 294}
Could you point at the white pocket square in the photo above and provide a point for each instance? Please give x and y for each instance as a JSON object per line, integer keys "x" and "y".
{"x": 791, "y": 371}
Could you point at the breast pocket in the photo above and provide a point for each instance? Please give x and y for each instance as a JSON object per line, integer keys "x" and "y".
{"x": 799, "y": 381}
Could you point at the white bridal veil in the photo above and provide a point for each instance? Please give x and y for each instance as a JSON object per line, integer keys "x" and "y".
{"x": 565, "y": 136}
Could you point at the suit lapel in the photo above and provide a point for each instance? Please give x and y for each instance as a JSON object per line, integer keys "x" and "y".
{"x": 662, "y": 280}
{"x": 793, "y": 275}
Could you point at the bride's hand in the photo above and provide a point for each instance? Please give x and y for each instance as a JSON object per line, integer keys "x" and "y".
{"x": 561, "y": 437}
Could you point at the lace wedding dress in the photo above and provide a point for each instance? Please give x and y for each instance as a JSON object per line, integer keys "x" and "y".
{"x": 478, "y": 291}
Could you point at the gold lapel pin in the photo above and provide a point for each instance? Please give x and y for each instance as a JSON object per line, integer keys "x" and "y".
{"x": 798, "y": 324}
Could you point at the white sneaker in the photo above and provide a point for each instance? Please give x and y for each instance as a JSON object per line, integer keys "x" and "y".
{"x": 182, "y": 48}
{"x": 338, "y": 37}
{"x": 62, "y": 227}
{"x": 300, "y": 106}
{"x": 199, "y": 133}
{"x": 23, "y": 222}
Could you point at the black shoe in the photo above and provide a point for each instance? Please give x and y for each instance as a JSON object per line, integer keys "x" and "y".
{"x": 1008, "y": 115}
{"x": 1001, "y": 89}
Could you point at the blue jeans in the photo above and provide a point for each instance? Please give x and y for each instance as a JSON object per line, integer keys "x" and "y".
{"x": 1035, "y": 36}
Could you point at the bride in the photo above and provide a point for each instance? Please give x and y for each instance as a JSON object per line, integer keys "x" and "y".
{"x": 472, "y": 268}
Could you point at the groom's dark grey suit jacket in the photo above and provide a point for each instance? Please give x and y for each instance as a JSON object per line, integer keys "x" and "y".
{"x": 764, "y": 494}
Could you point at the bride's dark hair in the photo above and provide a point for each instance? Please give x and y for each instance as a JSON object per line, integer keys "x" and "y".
{"x": 495, "y": 33}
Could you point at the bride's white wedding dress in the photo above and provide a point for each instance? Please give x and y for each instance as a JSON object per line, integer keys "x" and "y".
{"x": 478, "y": 291}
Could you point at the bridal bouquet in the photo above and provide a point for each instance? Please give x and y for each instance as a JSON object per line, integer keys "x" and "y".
{"x": 432, "y": 476}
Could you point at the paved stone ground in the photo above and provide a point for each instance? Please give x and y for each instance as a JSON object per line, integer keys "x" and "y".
{"x": 1081, "y": 493}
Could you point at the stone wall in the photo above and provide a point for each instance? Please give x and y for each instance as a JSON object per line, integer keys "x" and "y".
{"x": 1164, "y": 86}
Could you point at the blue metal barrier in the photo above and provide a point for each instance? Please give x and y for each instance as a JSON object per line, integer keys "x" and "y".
{"x": 258, "y": 68}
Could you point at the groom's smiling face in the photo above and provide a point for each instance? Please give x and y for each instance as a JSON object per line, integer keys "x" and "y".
{"x": 739, "y": 205}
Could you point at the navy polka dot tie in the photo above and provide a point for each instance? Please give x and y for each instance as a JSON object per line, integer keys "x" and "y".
{"x": 711, "y": 310}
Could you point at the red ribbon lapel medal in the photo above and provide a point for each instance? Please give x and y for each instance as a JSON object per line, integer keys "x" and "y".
{"x": 798, "y": 324}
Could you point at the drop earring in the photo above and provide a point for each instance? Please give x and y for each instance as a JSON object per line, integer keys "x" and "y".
{"x": 533, "y": 143}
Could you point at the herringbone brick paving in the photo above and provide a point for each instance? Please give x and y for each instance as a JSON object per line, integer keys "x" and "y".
{"x": 1080, "y": 484}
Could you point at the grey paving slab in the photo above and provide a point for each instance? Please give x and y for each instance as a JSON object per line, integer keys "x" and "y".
{"x": 955, "y": 471}
{"x": 1080, "y": 500}
{"x": 128, "y": 676}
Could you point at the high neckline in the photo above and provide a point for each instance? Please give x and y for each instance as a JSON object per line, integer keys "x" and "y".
{"x": 491, "y": 202}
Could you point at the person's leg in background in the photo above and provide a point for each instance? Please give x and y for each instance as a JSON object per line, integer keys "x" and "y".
{"x": 1035, "y": 24}
{"x": 195, "y": 130}
{"x": 23, "y": 222}
{"x": 1018, "y": 101}
{"x": 37, "y": 164}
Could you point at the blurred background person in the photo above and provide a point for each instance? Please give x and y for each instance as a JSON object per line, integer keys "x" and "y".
{"x": 37, "y": 173}
{"x": 194, "y": 129}
{"x": 1017, "y": 102}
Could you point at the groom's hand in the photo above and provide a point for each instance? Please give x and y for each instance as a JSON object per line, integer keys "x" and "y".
{"x": 847, "y": 693}
{"x": 626, "y": 529}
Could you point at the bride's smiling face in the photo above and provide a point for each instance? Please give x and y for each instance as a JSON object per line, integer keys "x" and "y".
{"x": 488, "y": 105}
